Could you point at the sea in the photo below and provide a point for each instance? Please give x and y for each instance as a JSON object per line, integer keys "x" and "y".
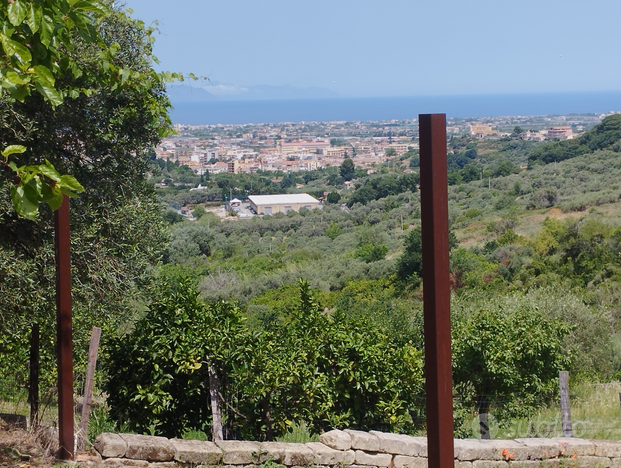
{"x": 389, "y": 108}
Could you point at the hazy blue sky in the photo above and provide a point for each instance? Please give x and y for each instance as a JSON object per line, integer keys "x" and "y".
{"x": 393, "y": 47}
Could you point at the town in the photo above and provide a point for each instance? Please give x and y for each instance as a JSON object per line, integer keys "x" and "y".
{"x": 308, "y": 146}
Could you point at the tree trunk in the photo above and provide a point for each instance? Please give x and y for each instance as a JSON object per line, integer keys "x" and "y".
{"x": 267, "y": 419}
{"x": 216, "y": 413}
{"x": 483, "y": 404}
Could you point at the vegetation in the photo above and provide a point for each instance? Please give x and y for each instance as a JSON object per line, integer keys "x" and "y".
{"x": 322, "y": 370}
{"x": 311, "y": 319}
{"x": 606, "y": 135}
{"x": 544, "y": 287}
{"x": 103, "y": 138}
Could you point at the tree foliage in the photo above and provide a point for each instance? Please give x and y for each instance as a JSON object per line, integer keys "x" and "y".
{"x": 102, "y": 138}
{"x": 508, "y": 352}
{"x": 58, "y": 51}
{"x": 323, "y": 370}
{"x": 602, "y": 136}
{"x": 347, "y": 169}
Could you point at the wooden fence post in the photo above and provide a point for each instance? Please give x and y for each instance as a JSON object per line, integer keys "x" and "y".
{"x": 563, "y": 383}
{"x": 88, "y": 385}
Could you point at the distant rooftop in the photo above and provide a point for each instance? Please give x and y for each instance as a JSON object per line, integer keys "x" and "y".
{"x": 276, "y": 199}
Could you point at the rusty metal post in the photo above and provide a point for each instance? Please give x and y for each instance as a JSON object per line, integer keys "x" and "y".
{"x": 63, "y": 330}
{"x": 436, "y": 289}
{"x": 33, "y": 385}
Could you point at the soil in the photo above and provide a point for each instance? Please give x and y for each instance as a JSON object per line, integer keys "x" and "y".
{"x": 23, "y": 449}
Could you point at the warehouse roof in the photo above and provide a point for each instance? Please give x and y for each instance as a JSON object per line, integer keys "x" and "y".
{"x": 281, "y": 199}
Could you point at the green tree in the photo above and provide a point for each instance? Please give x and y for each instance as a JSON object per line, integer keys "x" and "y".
{"x": 333, "y": 197}
{"x": 390, "y": 152}
{"x": 157, "y": 372}
{"x": 506, "y": 355}
{"x": 347, "y": 169}
{"x": 312, "y": 368}
{"x": 51, "y": 52}
{"x": 517, "y": 131}
{"x": 505, "y": 168}
{"x": 198, "y": 212}
{"x": 102, "y": 137}
{"x": 410, "y": 264}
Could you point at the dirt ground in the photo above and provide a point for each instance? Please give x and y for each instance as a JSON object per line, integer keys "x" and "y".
{"x": 21, "y": 448}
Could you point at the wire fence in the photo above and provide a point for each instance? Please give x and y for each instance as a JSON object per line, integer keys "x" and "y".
{"x": 595, "y": 410}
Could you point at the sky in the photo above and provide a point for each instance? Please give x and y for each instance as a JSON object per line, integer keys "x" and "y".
{"x": 363, "y": 48}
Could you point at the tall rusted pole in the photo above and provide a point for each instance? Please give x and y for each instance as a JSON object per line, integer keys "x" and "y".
{"x": 33, "y": 387}
{"x": 63, "y": 330}
{"x": 436, "y": 290}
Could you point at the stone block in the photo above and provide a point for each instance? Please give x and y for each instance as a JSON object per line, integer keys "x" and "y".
{"x": 541, "y": 448}
{"x": 506, "y": 450}
{"x": 150, "y": 448}
{"x": 524, "y": 464}
{"x": 489, "y": 464}
{"x": 463, "y": 464}
{"x": 361, "y": 440}
{"x": 571, "y": 446}
{"x": 122, "y": 462}
{"x": 170, "y": 464}
{"x": 197, "y": 452}
{"x": 400, "y": 444}
{"x": 615, "y": 463}
{"x": 592, "y": 462}
{"x": 552, "y": 463}
{"x": 472, "y": 449}
{"x": 373, "y": 459}
{"x": 402, "y": 461}
{"x": 607, "y": 448}
{"x": 336, "y": 439}
{"x": 237, "y": 452}
{"x": 110, "y": 445}
{"x": 325, "y": 455}
{"x": 289, "y": 454}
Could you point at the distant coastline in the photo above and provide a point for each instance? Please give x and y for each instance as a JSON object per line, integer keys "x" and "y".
{"x": 388, "y": 108}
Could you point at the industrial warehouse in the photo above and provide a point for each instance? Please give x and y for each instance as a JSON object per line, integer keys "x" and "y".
{"x": 272, "y": 204}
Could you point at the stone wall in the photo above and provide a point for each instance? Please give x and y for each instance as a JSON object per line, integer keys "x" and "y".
{"x": 355, "y": 449}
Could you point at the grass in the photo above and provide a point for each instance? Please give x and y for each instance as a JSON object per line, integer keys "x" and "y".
{"x": 595, "y": 414}
{"x": 300, "y": 434}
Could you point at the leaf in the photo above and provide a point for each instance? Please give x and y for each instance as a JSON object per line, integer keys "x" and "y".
{"x": 92, "y": 5}
{"x": 33, "y": 20}
{"x": 17, "y": 12}
{"x": 15, "y": 78}
{"x": 25, "y": 201}
{"x": 18, "y": 92}
{"x": 68, "y": 182}
{"x": 47, "y": 29}
{"x": 15, "y": 48}
{"x": 50, "y": 171}
{"x": 56, "y": 198}
{"x": 44, "y": 73}
{"x": 13, "y": 149}
{"x": 48, "y": 92}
